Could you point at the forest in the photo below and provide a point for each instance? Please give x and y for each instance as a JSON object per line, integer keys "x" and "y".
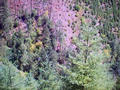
{"x": 59, "y": 44}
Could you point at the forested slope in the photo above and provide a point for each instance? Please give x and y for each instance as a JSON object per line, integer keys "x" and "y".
{"x": 59, "y": 45}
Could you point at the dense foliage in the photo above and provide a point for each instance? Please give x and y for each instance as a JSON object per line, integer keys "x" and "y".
{"x": 37, "y": 54}
{"x": 88, "y": 69}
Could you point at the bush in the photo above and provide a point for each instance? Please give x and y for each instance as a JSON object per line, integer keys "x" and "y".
{"x": 34, "y": 13}
{"x": 16, "y": 23}
{"x": 77, "y": 7}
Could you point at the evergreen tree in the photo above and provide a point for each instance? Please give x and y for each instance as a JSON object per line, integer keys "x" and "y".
{"x": 88, "y": 68}
{"x": 49, "y": 39}
{"x": 49, "y": 78}
{"x": 17, "y": 49}
{"x": 5, "y": 20}
{"x": 13, "y": 79}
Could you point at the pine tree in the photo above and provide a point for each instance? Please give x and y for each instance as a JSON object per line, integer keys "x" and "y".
{"x": 88, "y": 68}
{"x": 5, "y": 20}
{"x": 49, "y": 39}
{"x": 49, "y": 78}
{"x": 13, "y": 79}
{"x": 18, "y": 50}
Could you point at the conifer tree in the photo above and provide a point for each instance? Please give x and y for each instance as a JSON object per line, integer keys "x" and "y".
{"x": 49, "y": 78}
{"x": 17, "y": 49}
{"x": 13, "y": 79}
{"x": 5, "y": 20}
{"x": 48, "y": 39}
{"x": 88, "y": 69}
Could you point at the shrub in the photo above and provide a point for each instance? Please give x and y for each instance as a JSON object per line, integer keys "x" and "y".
{"x": 16, "y": 23}
{"x": 34, "y": 13}
{"x": 77, "y": 7}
